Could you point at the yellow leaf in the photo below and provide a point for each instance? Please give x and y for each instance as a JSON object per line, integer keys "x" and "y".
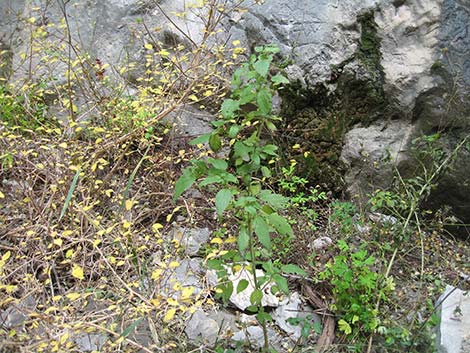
{"x": 73, "y": 296}
{"x": 128, "y": 204}
{"x": 58, "y": 242}
{"x": 169, "y": 315}
{"x": 156, "y": 274}
{"x": 66, "y": 233}
{"x": 2, "y": 195}
{"x": 156, "y": 227}
{"x": 172, "y": 302}
{"x": 344, "y": 326}
{"x": 6, "y": 256}
{"x": 64, "y": 338}
{"x": 231, "y": 240}
{"x": 69, "y": 253}
{"x": 186, "y": 292}
{"x": 296, "y": 146}
{"x": 216, "y": 241}
{"x": 173, "y": 264}
{"x": 56, "y": 298}
{"x": 126, "y": 224}
{"x": 148, "y": 46}
{"x": 77, "y": 272}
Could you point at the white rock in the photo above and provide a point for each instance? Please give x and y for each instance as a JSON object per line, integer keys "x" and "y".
{"x": 322, "y": 243}
{"x": 242, "y": 300}
{"x": 454, "y": 328}
{"x": 288, "y": 308}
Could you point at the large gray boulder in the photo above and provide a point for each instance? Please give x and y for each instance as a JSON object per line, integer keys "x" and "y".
{"x": 376, "y": 75}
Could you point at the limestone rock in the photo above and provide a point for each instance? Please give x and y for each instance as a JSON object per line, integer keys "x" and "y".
{"x": 90, "y": 342}
{"x": 322, "y": 243}
{"x": 242, "y": 300}
{"x": 191, "y": 239}
{"x": 454, "y": 327}
{"x": 202, "y": 328}
{"x": 288, "y": 308}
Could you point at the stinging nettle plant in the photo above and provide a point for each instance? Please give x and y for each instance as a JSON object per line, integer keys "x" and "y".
{"x": 238, "y": 176}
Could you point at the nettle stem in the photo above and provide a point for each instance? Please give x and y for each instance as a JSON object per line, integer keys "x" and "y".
{"x": 256, "y": 283}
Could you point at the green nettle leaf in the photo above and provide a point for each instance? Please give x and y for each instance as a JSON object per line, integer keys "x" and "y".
{"x": 270, "y": 149}
{"x": 215, "y": 143}
{"x": 266, "y": 172}
{"x": 201, "y": 139}
{"x": 241, "y": 150}
{"x": 214, "y": 179}
{"x": 262, "y": 231}
{"x": 270, "y": 126}
{"x": 218, "y": 163}
{"x": 280, "y": 224}
{"x": 184, "y": 182}
{"x": 229, "y": 107}
{"x": 275, "y": 200}
{"x": 242, "y": 285}
{"x": 233, "y": 131}
{"x": 279, "y": 79}
{"x": 281, "y": 283}
{"x": 262, "y": 66}
{"x": 256, "y": 297}
{"x": 264, "y": 100}
{"x": 293, "y": 269}
{"x": 243, "y": 240}
{"x": 263, "y": 317}
{"x": 222, "y": 200}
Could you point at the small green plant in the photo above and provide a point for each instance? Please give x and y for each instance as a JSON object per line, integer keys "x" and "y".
{"x": 356, "y": 287}
{"x": 301, "y": 198}
{"x": 238, "y": 178}
{"x": 342, "y": 213}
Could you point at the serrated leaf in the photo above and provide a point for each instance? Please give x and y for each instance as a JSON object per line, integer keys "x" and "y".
{"x": 77, "y": 272}
{"x": 293, "y": 269}
{"x": 218, "y": 163}
{"x": 242, "y": 285}
{"x": 279, "y": 79}
{"x": 275, "y": 200}
{"x": 243, "y": 240}
{"x": 256, "y": 297}
{"x": 281, "y": 283}
{"x": 215, "y": 142}
{"x": 262, "y": 229}
{"x": 233, "y": 131}
{"x": 201, "y": 139}
{"x": 266, "y": 172}
{"x": 262, "y": 66}
{"x": 280, "y": 224}
{"x": 184, "y": 183}
{"x": 344, "y": 326}
{"x": 264, "y": 100}
{"x": 229, "y": 107}
{"x": 222, "y": 200}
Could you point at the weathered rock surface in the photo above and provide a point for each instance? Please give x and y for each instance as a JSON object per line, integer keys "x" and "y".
{"x": 454, "y": 327}
{"x": 191, "y": 239}
{"x": 401, "y": 65}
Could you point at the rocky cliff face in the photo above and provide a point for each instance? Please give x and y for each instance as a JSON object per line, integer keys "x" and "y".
{"x": 372, "y": 76}
{"x": 368, "y": 76}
